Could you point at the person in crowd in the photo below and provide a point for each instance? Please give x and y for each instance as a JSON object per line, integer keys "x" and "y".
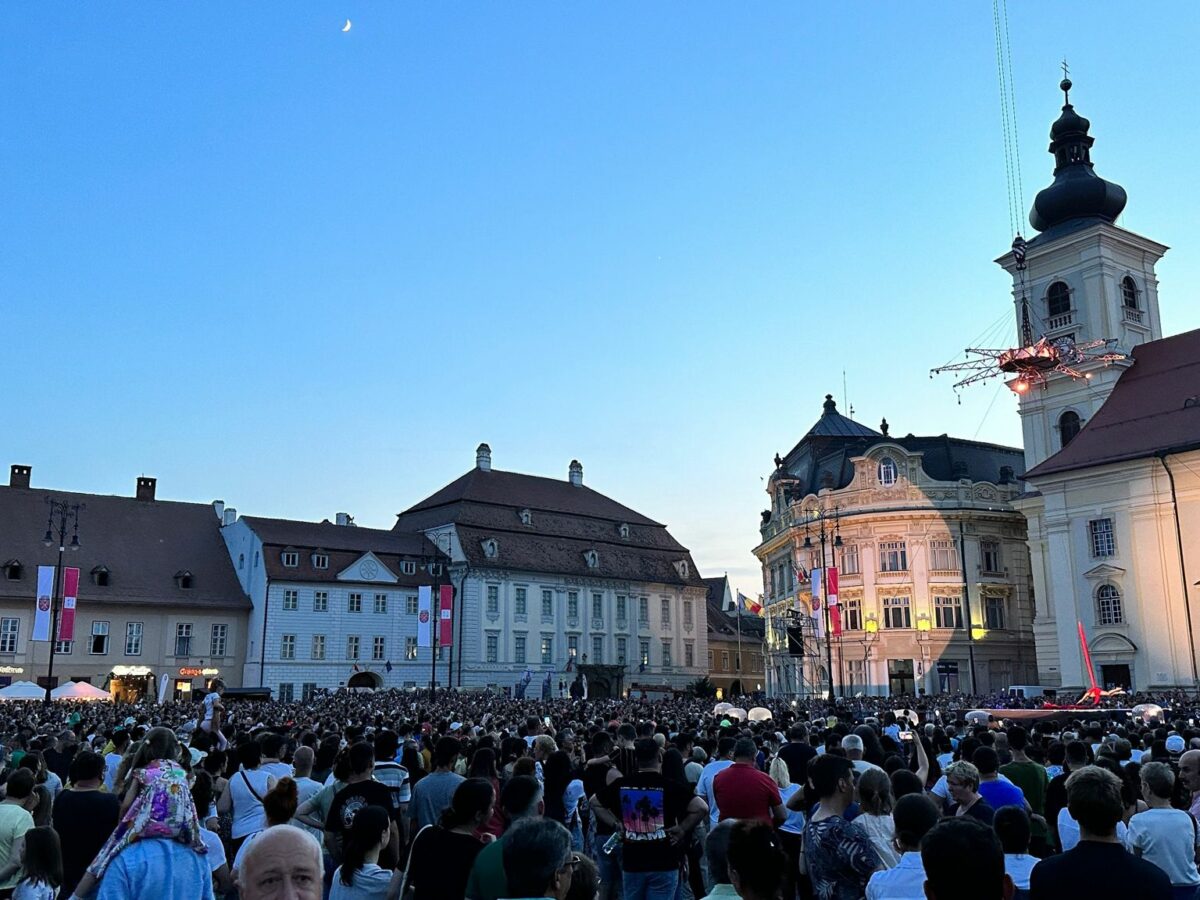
{"x": 1033, "y": 780}
{"x": 1163, "y": 835}
{"x": 391, "y": 773}
{"x": 797, "y": 753}
{"x": 962, "y": 781}
{"x": 854, "y": 747}
{"x": 453, "y": 838}
{"x": 653, "y": 816}
{"x": 995, "y": 790}
{"x": 743, "y": 792}
{"x": 243, "y": 798}
{"x": 279, "y": 808}
{"x": 306, "y": 786}
{"x": 722, "y": 760}
{"x": 41, "y": 866}
{"x": 1013, "y": 827}
{"x": 539, "y": 859}
{"x": 285, "y": 862}
{"x": 360, "y": 877}
{"x": 1189, "y": 777}
{"x": 272, "y": 753}
{"x": 433, "y": 793}
{"x": 112, "y": 759}
{"x": 564, "y": 794}
{"x": 875, "y": 803}
{"x": 1098, "y": 867}
{"x": 520, "y": 799}
{"x": 839, "y": 855}
{"x": 585, "y": 879}
{"x": 716, "y": 856}
{"x": 913, "y": 817}
{"x": 791, "y": 832}
{"x": 15, "y": 821}
{"x": 755, "y": 860}
{"x": 483, "y": 765}
{"x": 1075, "y": 757}
{"x": 84, "y": 816}
{"x": 963, "y": 860}
{"x": 213, "y": 713}
{"x": 218, "y": 864}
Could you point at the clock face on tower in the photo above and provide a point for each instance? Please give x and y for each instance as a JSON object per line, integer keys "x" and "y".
{"x": 369, "y": 569}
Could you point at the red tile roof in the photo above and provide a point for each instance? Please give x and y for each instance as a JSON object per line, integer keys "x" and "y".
{"x": 1154, "y": 408}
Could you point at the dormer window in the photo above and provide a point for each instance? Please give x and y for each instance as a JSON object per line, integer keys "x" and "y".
{"x": 183, "y": 580}
{"x": 434, "y": 568}
{"x": 526, "y": 517}
{"x": 290, "y": 558}
{"x": 623, "y": 530}
{"x": 408, "y": 567}
{"x": 100, "y": 576}
{"x": 12, "y": 570}
{"x": 682, "y": 568}
{"x": 592, "y": 559}
{"x": 887, "y": 471}
{"x": 320, "y": 560}
{"x": 490, "y": 548}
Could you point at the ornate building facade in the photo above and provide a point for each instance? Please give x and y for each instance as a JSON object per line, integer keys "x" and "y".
{"x": 935, "y": 589}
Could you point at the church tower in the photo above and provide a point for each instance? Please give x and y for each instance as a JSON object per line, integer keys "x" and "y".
{"x": 1083, "y": 278}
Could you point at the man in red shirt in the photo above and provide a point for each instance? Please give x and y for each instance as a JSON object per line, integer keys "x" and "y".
{"x": 743, "y": 792}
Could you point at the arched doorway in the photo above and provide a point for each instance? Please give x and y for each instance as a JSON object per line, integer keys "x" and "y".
{"x": 735, "y": 688}
{"x": 364, "y": 680}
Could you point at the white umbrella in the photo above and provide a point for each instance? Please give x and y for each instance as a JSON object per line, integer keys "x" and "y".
{"x": 79, "y": 690}
{"x": 910, "y": 714}
{"x": 722, "y": 708}
{"x": 978, "y": 716}
{"x": 759, "y": 714}
{"x": 1148, "y": 712}
{"x": 23, "y": 690}
{"x": 736, "y": 713}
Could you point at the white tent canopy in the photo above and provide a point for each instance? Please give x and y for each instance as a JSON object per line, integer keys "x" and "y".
{"x": 23, "y": 690}
{"x": 79, "y": 690}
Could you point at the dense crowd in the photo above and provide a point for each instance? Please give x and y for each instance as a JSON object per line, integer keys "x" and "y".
{"x": 450, "y": 796}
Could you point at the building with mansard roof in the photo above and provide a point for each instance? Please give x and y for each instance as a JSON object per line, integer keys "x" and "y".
{"x": 553, "y": 578}
{"x": 735, "y": 643}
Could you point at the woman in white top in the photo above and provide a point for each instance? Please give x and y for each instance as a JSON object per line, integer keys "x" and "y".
{"x": 245, "y": 795}
{"x": 1162, "y": 835}
{"x": 360, "y": 876}
{"x": 792, "y": 829}
{"x": 876, "y": 802}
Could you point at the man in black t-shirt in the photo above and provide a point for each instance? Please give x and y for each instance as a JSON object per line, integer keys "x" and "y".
{"x": 654, "y": 817}
{"x": 797, "y": 753}
{"x": 361, "y": 791}
{"x": 84, "y": 817}
{"x": 597, "y": 775}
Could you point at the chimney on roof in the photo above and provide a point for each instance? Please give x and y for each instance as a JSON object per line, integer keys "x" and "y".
{"x": 483, "y": 458}
{"x": 219, "y": 509}
{"x": 228, "y": 516}
{"x": 18, "y": 476}
{"x": 575, "y": 473}
{"x": 145, "y": 488}
{"x": 344, "y": 519}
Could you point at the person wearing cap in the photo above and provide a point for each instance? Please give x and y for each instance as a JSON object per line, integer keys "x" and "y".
{"x": 853, "y": 745}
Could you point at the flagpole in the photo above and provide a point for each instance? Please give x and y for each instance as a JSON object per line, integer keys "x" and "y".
{"x": 737, "y": 611}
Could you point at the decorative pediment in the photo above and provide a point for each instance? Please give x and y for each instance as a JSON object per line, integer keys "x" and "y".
{"x": 1105, "y": 572}
{"x": 369, "y": 568}
{"x": 1112, "y": 643}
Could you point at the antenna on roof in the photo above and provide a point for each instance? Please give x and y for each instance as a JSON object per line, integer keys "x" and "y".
{"x": 846, "y": 396}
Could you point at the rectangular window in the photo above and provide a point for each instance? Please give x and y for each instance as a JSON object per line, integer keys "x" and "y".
{"x": 947, "y": 612}
{"x": 493, "y": 600}
{"x": 850, "y": 560}
{"x": 493, "y": 648}
{"x": 622, "y": 609}
{"x": 994, "y": 609}
{"x": 666, "y": 612}
{"x": 597, "y": 606}
{"x": 10, "y": 629}
{"x": 572, "y": 604}
{"x": 410, "y": 648}
{"x": 320, "y": 561}
{"x": 644, "y": 652}
{"x": 989, "y": 552}
{"x": 291, "y": 558}
{"x": 287, "y": 646}
{"x": 379, "y": 648}
{"x": 724, "y": 660}
{"x": 547, "y": 650}
{"x": 411, "y": 605}
{"x": 896, "y": 613}
{"x": 1108, "y": 601}
{"x": 666, "y": 654}
{"x": 547, "y": 604}
{"x": 856, "y": 672}
{"x": 689, "y": 654}
{"x": 381, "y": 603}
{"x": 943, "y": 556}
{"x": 183, "y": 639}
{"x": 308, "y": 690}
{"x": 61, "y": 647}
{"x": 217, "y": 640}
{"x": 572, "y": 646}
{"x": 519, "y": 648}
{"x": 99, "y": 646}
{"x": 287, "y": 693}
{"x": 1103, "y": 540}
{"x": 133, "y": 639}
{"x": 852, "y": 614}
{"x": 321, "y": 601}
{"x": 597, "y": 648}
{"x": 622, "y": 649}
{"x": 947, "y": 675}
{"x": 521, "y": 604}
{"x": 352, "y": 646}
{"x": 318, "y": 646}
{"x": 687, "y": 614}
{"x": 291, "y": 600}
{"x": 893, "y": 556}
{"x": 643, "y": 610}
{"x": 408, "y": 567}
{"x": 354, "y": 603}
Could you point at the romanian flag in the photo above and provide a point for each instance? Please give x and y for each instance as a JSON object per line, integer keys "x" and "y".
{"x": 745, "y": 602}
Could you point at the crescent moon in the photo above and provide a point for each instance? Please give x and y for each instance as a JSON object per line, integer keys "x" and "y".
{"x": 346, "y": 27}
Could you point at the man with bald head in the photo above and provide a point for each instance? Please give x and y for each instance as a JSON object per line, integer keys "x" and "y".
{"x": 1189, "y": 775}
{"x": 283, "y": 863}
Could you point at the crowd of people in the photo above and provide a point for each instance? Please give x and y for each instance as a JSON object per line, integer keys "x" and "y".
{"x": 358, "y": 796}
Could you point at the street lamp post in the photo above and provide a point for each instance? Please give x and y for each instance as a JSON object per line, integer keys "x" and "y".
{"x": 68, "y": 520}
{"x": 827, "y": 524}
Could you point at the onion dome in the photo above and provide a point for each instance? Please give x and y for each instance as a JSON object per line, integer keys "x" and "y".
{"x": 1078, "y": 193}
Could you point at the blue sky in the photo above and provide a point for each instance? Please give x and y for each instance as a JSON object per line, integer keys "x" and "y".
{"x": 307, "y": 271}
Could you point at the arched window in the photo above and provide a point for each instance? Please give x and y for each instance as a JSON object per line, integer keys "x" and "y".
{"x": 1068, "y": 426}
{"x": 1129, "y": 293}
{"x": 1108, "y": 605}
{"x": 1058, "y": 299}
{"x": 887, "y": 471}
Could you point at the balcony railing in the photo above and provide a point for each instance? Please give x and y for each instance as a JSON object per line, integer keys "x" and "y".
{"x": 1063, "y": 320}
{"x": 1133, "y": 315}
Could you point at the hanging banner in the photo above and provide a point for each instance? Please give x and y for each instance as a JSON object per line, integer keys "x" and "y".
{"x": 41, "y": 614}
{"x": 446, "y": 630}
{"x": 831, "y": 586}
{"x": 66, "y": 618}
{"x": 816, "y": 586}
{"x": 424, "y": 613}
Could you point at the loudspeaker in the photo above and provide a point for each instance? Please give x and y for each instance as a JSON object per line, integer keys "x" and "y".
{"x": 795, "y": 640}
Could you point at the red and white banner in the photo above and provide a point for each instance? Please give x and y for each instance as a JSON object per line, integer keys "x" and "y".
{"x": 831, "y": 598}
{"x": 66, "y": 619}
{"x": 45, "y": 595}
{"x": 424, "y": 614}
{"x": 446, "y": 632}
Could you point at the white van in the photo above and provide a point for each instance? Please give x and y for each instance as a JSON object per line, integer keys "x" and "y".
{"x": 1030, "y": 691}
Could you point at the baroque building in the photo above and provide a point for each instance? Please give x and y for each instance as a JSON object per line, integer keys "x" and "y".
{"x": 935, "y": 590}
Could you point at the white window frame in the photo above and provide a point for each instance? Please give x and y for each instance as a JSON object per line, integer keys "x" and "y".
{"x": 893, "y": 556}
{"x": 519, "y": 648}
{"x": 1102, "y": 537}
{"x": 183, "y": 632}
{"x": 547, "y": 649}
{"x": 492, "y": 648}
{"x": 134, "y": 632}
{"x": 320, "y": 560}
{"x": 412, "y": 604}
{"x": 353, "y": 646}
{"x": 948, "y": 608}
{"x": 290, "y": 558}
{"x": 943, "y": 556}
{"x": 287, "y": 646}
{"x": 320, "y": 601}
{"x": 218, "y": 640}
{"x": 10, "y": 634}
{"x": 521, "y": 602}
{"x": 547, "y": 604}
{"x": 318, "y": 646}
{"x": 850, "y": 560}
{"x": 887, "y": 472}
{"x": 381, "y": 603}
{"x": 291, "y": 600}
{"x": 408, "y": 567}
{"x": 103, "y": 632}
{"x": 598, "y": 648}
{"x": 493, "y": 599}
{"x": 410, "y": 648}
{"x": 572, "y": 604}
{"x": 354, "y": 602}
{"x": 897, "y": 610}
{"x": 378, "y": 648}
